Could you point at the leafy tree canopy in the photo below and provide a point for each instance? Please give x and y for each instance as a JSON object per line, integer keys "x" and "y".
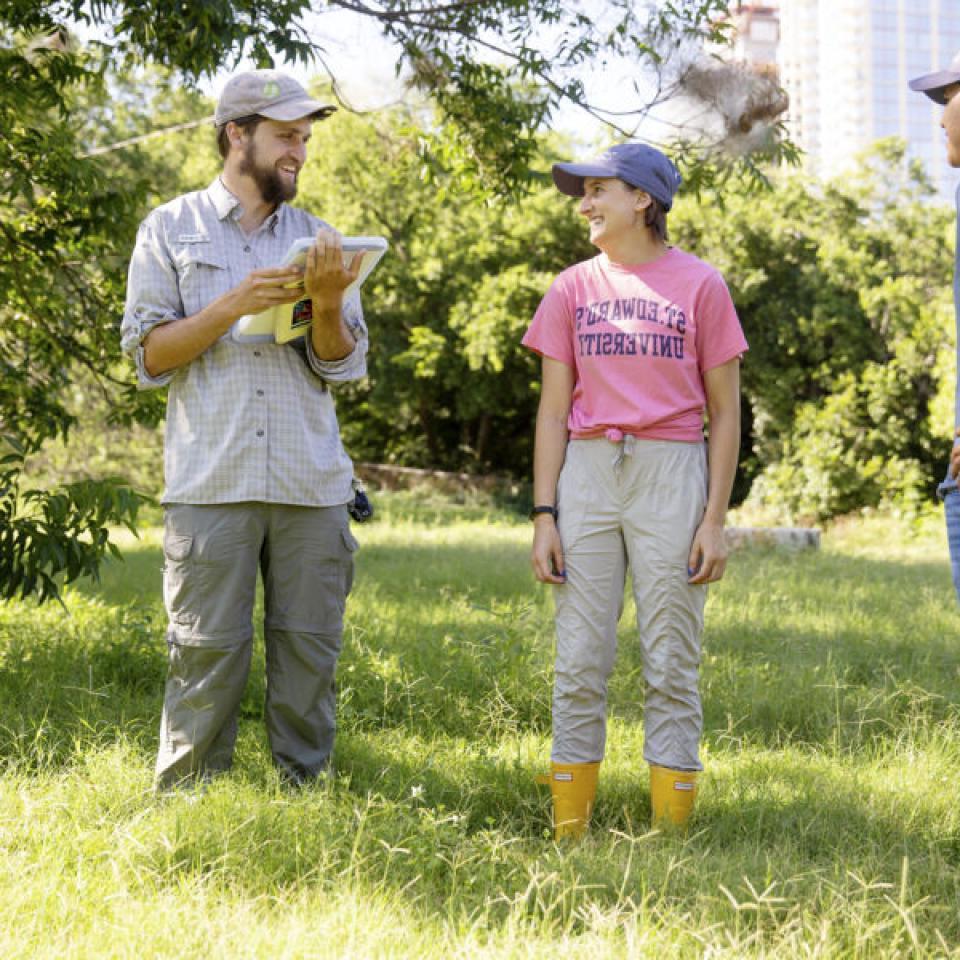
{"x": 844, "y": 293}
{"x": 496, "y": 70}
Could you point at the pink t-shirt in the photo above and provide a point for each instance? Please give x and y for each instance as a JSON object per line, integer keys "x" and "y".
{"x": 639, "y": 339}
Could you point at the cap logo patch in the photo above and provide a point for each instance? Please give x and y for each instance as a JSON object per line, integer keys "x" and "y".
{"x": 271, "y": 89}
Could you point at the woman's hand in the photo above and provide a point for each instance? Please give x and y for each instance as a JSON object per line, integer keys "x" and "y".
{"x": 708, "y": 554}
{"x": 547, "y": 554}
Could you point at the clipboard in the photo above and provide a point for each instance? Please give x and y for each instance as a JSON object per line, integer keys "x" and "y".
{"x": 287, "y": 321}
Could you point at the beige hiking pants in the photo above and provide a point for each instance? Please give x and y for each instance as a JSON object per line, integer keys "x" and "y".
{"x": 637, "y": 502}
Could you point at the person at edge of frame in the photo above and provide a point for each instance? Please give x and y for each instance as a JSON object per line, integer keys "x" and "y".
{"x": 256, "y": 476}
{"x": 943, "y": 87}
{"x": 635, "y": 344}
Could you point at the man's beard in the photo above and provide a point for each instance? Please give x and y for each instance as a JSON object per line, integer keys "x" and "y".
{"x": 273, "y": 188}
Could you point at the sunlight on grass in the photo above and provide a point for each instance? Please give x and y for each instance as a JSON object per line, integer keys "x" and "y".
{"x": 827, "y": 824}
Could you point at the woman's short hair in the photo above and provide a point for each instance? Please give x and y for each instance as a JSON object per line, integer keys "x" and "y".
{"x": 247, "y": 124}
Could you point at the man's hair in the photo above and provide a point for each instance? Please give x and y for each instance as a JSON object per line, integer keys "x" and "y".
{"x": 247, "y": 124}
{"x": 655, "y": 217}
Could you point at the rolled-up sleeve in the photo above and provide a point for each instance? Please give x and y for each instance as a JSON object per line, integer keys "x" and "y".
{"x": 153, "y": 297}
{"x": 354, "y": 365}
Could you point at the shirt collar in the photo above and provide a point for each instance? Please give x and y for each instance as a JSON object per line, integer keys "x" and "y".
{"x": 224, "y": 202}
{"x": 227, "y": 205}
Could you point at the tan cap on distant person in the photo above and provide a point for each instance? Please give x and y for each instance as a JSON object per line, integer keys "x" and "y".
{"x": 270, "y": 94}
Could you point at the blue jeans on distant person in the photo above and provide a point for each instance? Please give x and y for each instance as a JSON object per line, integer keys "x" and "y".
{"x": 949, "y": 493}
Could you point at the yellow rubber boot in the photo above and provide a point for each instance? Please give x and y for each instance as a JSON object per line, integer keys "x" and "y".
{"x": 574, "y": 787}
{"x": 672, "y": 793}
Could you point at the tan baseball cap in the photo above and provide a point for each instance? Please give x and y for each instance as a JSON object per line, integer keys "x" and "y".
{"x": 270, "y": 94}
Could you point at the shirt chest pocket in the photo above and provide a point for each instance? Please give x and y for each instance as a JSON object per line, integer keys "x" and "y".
{"x": 202, "y": 274}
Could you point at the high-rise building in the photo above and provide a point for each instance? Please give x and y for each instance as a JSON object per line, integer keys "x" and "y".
{"x": 845, "y": 65}
{"x": 756, "y": 34}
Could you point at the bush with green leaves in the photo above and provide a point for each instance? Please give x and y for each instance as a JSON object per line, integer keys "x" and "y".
{"x": 844, "y": 293}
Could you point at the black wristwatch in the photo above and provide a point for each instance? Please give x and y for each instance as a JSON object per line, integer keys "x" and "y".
{"x": 544, "y": 509}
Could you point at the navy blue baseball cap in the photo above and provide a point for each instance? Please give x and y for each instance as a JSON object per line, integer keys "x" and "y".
{"x": 637, "y": 164}
{"x": 933, "y": 84}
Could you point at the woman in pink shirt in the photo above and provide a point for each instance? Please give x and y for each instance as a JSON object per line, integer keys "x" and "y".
{"x": 636, "y": 344}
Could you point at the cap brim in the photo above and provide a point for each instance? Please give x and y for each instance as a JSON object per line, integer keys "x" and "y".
{"x": 569, "y": 177}
{"x": 934, "y": 84}
{"x": 297, "y": 110}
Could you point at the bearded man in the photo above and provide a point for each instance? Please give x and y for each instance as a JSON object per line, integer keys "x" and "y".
{"x": 255, "y": 474}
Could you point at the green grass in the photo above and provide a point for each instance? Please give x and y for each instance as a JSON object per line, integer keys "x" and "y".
{"x": 827, "y": 823}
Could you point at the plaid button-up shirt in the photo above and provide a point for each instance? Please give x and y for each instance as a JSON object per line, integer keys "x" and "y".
{"x": 245, "y": 421}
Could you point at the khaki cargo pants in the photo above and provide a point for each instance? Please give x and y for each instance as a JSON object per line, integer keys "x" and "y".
{"x": 636, "y": 503}
{"x": 212, "y": 554}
